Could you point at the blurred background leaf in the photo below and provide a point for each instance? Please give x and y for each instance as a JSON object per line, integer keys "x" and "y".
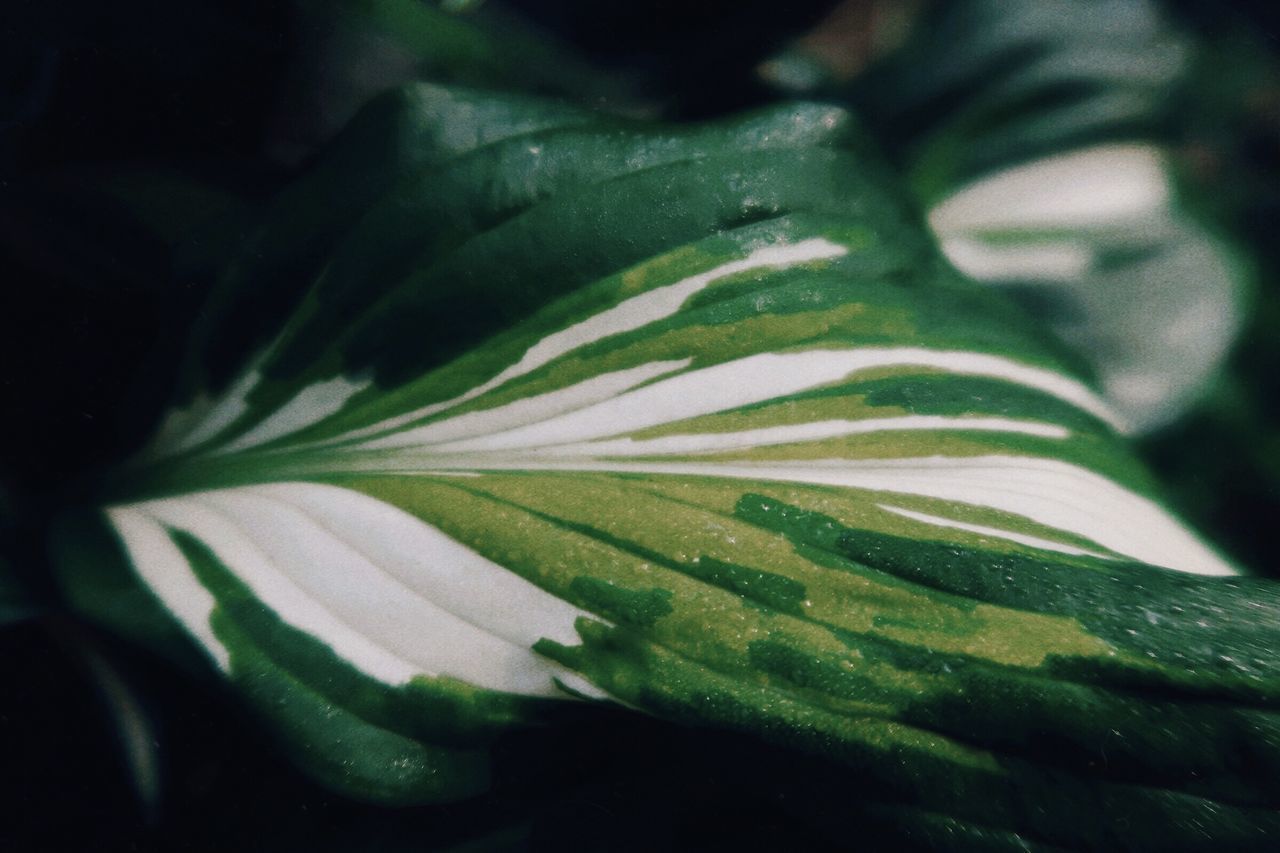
{"x": 976, "y": 85}
{"x": 1038, "y": 133}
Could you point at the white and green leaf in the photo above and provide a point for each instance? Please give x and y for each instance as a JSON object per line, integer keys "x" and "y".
{"x": 697, "y": 421}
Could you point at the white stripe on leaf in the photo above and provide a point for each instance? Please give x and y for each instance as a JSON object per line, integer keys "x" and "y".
{"x": 1096, "y": 187}
{"x": 162, "y": 566}
{"x": 387, "y": 607}
{"x": 630, "y": 314}
{"x": 377, "y": 585}
{"x": 757, "y": 379}
{"x": 529, "y": 410}
{"x": 1049, "y": 492}
{"x": 246, "y": 560}
{"x": 309, "y": 406}
{"x": 1041, "y": 260}
{"x": 482, "y": 592}
{"x": 204, "y": 419}
{"x": 793, "y": 433}
{"x": 997, "y": 532}
{"x": 662, "y": 302}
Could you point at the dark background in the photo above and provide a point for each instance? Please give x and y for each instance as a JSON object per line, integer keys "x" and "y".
{"x": 202, "y": 111}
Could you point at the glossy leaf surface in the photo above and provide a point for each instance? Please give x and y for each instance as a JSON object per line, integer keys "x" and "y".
{"x": 699, "y": 421}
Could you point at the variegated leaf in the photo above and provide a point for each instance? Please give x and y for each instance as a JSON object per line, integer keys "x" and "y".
{"x": 1038, "y": 132}
{"x": 700, "y": 422}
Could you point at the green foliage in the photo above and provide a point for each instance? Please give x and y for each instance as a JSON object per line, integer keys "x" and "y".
{"x": 509, "y": 414}
{"x": 527, "y": 430}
